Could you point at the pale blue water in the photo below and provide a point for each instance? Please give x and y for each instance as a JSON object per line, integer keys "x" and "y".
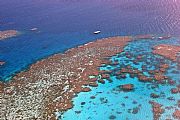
{"x": 110, "y": 101}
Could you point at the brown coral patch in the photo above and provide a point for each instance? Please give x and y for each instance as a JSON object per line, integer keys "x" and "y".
{"x": 168, "y": 51}
{"x": 8, "y": 34}
{"x": 156, "y": 109}
{"x": 176, "y": 114}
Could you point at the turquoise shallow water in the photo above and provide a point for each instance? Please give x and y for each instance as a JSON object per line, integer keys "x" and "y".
{"x": 111, "y": 103}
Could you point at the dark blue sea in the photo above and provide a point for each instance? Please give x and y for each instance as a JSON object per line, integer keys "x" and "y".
{"x": 63, "y": 24}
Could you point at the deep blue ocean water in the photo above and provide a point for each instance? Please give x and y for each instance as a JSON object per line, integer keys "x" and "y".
{"x": 63, "y": 24}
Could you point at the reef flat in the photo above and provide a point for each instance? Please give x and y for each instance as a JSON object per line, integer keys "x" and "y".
{"x": 2, "y": 63}
{"x": 49, "y": 85}
{"x": 168, "y": 51}
{"x": 134, "y": 84}
{"x": 8, "y": 34}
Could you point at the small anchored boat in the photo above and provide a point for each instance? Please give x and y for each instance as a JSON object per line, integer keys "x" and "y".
{"x": 164, "y": 37}
{"x": 97, "y": 32}
{"x": 34, "y": 29}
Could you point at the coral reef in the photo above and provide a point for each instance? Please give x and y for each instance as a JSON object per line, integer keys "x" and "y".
{"x": 8, "y": 34}
{"x": 49, "y": 85}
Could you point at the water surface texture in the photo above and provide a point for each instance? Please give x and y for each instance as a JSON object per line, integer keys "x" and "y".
{"x": 63, "y": 24}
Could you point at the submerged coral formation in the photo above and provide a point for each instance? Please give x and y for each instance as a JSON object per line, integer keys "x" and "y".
{"x": 50, "y": 84}
{"x": 168, "y": 51}
{"x": 8, "y": 34}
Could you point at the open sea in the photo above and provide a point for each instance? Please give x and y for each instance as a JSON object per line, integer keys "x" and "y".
{"x": 63, "y": 24}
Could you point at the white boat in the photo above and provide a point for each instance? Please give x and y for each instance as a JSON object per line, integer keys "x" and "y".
{"x": 97, "y": 32}
{"x": 33, "y": 29}
{"x": 164, "y": 37}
